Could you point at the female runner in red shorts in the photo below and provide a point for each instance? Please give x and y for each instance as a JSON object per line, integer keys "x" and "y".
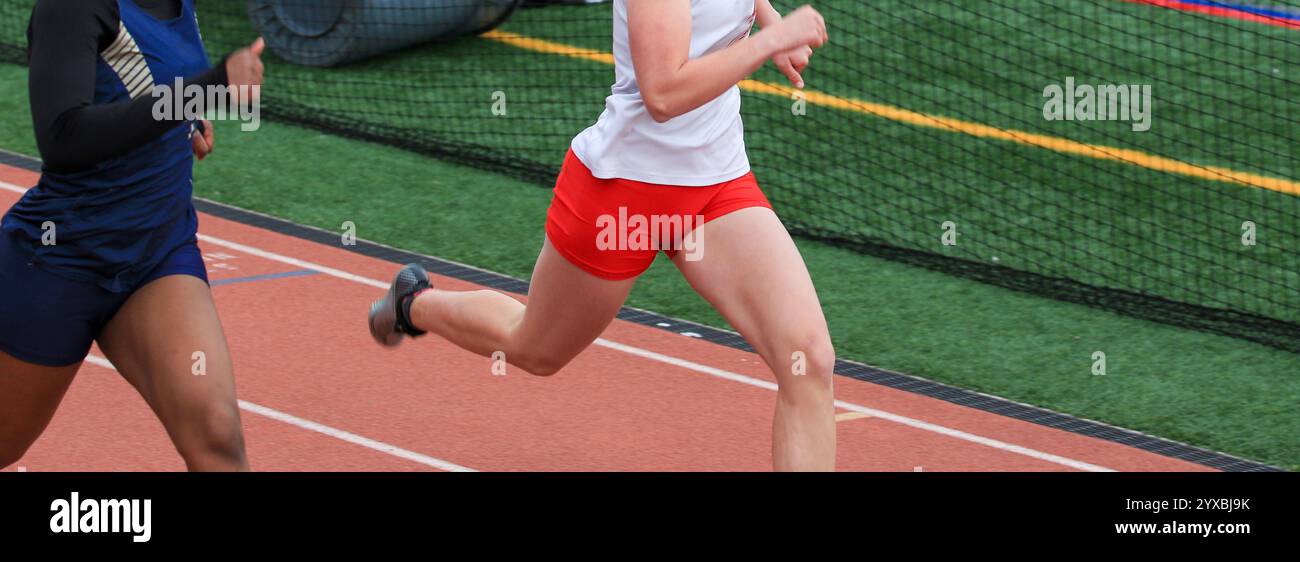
{"x": 670, "y": 146}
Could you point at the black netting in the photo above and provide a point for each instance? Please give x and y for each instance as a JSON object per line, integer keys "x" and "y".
{"x": 919, "y": 114}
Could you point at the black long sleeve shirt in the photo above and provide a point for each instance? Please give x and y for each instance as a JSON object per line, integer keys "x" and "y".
{"x": 65, "y": 39}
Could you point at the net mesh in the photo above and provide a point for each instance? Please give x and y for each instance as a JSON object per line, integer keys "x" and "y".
{"x": 921, "y": 119}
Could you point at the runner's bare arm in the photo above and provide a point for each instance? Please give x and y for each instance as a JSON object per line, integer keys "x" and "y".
{"x": 672, "y": 84}
{"x": 792, "y": 62}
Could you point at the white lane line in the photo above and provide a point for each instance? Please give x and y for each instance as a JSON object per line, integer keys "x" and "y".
{"x": 353, "y": 438}
{"x": 705, "y": 369}
{"x": 326, "y": 430}
{"x": 911, "y": 422}
{"x": 293, "y": 261}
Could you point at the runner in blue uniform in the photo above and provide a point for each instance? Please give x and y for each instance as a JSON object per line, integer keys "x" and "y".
{"x": 103, "y": 248}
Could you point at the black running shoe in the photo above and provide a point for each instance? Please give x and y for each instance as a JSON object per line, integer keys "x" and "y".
{"x": 390, "y": 316}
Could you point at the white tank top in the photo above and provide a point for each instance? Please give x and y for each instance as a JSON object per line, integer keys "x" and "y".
{"x": 703, "y": 147}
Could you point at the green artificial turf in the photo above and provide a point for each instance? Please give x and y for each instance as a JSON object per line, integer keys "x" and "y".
{"x": 1211, "y": 391}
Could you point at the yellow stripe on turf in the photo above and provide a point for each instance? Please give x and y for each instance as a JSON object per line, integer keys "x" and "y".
{"x": 544, "y": 46}
{"x": 916, "y": 118}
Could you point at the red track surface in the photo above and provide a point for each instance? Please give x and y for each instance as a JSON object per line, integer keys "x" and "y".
{"x": 301, "y": 348}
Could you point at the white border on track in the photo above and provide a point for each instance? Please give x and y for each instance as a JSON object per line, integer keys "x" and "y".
{"x": 647, "y": 354}
{"x": 11, "y": 187}
{"x": 326, "y": 430}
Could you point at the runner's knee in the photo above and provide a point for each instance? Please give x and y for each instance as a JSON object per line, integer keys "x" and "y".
{"x": 214, "y": 437}
{"x": 810, "y": 355}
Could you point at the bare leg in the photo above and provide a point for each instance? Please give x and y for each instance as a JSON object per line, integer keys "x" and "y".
{"x": 567, "y": 309}
{"x": 159, "y": 338}
{"x": 753, "y": 274}
{"x": 29, "y": 395}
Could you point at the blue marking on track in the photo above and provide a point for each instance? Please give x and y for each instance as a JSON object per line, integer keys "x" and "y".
{"x": 266, "y": 277}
